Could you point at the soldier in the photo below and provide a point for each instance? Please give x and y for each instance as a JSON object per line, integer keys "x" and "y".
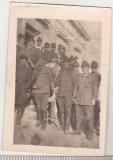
{"x": 65, "y": 84}
{"x": 73, "y": 113}
{"x": 43, "y": 82}
{"x": 76, "y": 66}
{"x": 52, "y": 51}
{"x": 22, "y": 79}
{"x": 21, "y": 49}
{"x": 85, "y": 94}
{"x": 39, "y": 43}
{"x": 73, "y": 60}
{"x": 94, "y": 68}
{"x": 46, "y": 52}
{"x": 33, "y": 53}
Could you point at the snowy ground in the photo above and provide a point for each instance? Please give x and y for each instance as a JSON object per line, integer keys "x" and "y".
{"x": 27, "y": 133}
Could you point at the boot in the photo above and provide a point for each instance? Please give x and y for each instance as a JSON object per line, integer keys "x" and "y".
{"x": 67, "y": 122}
{"x": 61, "y": 127}
{"x": 78, "y": 128}
{"x": 38, "y": 118}
{"x": 90, "y": 124}
{"x": 43, "y": 119}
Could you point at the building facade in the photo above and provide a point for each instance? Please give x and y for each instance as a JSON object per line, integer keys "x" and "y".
{"x": 69, "y": 33}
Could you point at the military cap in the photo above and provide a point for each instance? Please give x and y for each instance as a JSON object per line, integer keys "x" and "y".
{"x": 39, "y": 39}
{"x": 31, "y": 39}
{"x": 53, "y": 45}
{"x": 46, "y": 45}
{"x": 84, "y": 63}
{"x": 94, "y": 64}
{"x": 23, "y": 56}
{"x": 71, "y": 58}
{"x": 21, "y": 36}
{"x": 76, "y": 64}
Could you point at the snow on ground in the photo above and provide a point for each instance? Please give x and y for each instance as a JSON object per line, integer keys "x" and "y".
{"x": 27, "y": 134}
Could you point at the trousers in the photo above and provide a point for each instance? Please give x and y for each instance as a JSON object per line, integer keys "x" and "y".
{"x": 41, "y": 101}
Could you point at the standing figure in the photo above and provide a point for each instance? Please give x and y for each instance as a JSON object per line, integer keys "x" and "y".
{"x": 21, "y": 49}
{"x": 21, "y": 92}
{"x": 46, "y": 52}
{"x": 39, "y": 44}
{"x": 85, "y": 93}
{"x": 65, "y": 83}
{"x": 94, "y": 68}
{"x": 33, "y": 53}
{"x": 43, "y": 83}
{"x": 52, "y": 51}
{"x": 73, "y": 60}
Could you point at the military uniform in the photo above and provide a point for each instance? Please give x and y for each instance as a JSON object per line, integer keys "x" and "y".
{"x": 84, "y": 92}
{"x": 21, "y": 99}
{"x": 65, "y": 81}
{"x": 34, "y": 54}
{"x": 43, "y": 80}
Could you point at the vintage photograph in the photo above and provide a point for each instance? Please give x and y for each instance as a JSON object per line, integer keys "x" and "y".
{"x": 57, "y": 79}
{"x": 57, "y": 82}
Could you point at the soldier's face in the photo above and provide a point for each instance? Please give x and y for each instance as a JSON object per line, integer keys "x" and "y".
{"x": 41, "y": 62}
{"x": 46, "y": 49}
{"x": 76, "y": 69}
{"x": 85, "y": 70}
{"x": 23, "y": 62}
{"x": 61, "y": 50}
{"x": 66, "y": 65}
{"x": 39, "y": 43}
{"x": 53, "y": 49}
{"x": 72, "y": 62}
{"x": 32, "y": 44}
{"x": 94, "y": 70}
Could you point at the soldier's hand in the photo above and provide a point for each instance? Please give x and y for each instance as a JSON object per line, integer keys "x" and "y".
{"x": 93, "y": 102}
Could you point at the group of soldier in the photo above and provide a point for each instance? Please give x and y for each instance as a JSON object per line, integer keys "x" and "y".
{"x": 52, "y": 81}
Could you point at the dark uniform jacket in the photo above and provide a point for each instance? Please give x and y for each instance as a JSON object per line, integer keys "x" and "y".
{"x": 85, "y": 90}
{"x": 47, "y": 56}
{"x": 66, "y": 81}
{"x": 43, "y": 80}
{"x": 34, "y": 55}
{"x": 98, "y": 77}
{"x": 22, "y": 79}
{"x": 52, "y": 54}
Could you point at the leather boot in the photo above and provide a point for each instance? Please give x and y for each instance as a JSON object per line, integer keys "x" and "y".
{"x": 61, "y": 127}
{"x": 38, "y": 118}
{"x": 90, "y": 125}
{"x": 67, "y": 122}
{"x": 78, "y": 128}
{"x": 43, "y": 119}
